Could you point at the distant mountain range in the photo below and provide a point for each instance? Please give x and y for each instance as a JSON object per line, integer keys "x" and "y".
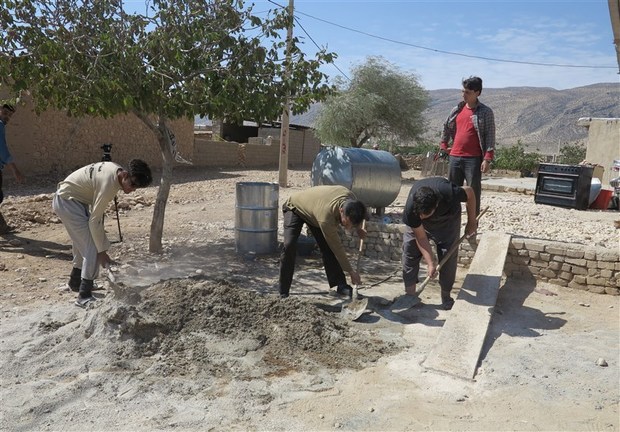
{"x": 542, "y": 118}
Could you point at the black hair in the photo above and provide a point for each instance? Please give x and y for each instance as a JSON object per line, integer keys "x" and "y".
{"x": 473, "y": 83}
{"x": 425, "y": 200}
{"x": 140, "y": 173}
{"x": 355, "y": 210}
{"x": 8, "y": 107}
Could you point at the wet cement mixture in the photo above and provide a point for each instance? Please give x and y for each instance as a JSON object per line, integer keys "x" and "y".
{"x": 185, "y": 321}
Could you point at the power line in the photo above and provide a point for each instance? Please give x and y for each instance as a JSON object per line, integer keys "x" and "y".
{"x": 310, "y": 37}
{"x": 450, "y": 52}
{"x": 307, "y": 34}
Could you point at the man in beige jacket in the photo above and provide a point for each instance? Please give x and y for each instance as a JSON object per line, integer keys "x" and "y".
{"x": 80, "y": 202}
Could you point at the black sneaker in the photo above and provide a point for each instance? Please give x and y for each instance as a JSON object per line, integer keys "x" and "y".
{"x": 72, "y": 287}
{"x": 7, "y": 229}
{"x": 75, "y": 279}
{"x": 284, "y": 295}
{"x": 447, "y": 305}
{"x": 345, "y": 290}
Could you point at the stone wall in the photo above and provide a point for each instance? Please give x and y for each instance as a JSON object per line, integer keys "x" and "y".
{"x": 565, "y": 264}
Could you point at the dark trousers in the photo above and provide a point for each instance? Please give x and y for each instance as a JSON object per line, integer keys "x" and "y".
{"x": 444, "y": 232}
{"x": 1, "y": 193}
{"x": 293, "y": 223}
{"x": 467, "y": 169}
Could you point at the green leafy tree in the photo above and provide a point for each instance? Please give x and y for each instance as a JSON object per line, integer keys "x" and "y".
{"x": 179, "y": 59}
{"x": 380, "y": 102}
{"x": 572, "y": 154}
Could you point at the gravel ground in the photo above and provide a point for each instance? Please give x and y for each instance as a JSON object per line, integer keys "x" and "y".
{"x": 511, "y": 212}
{"x": 517, "y": 214}
{"x": 200, "y": 351}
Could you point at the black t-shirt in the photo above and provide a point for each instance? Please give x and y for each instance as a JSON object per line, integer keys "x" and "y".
{"x": 451, "y": 197}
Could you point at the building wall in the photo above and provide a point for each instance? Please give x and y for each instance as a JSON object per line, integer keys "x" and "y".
{"x": 232, "y": 154}
{"x": 303, "y": 144}
{"x": 303, "y": 148}
{"x": 603, "y": 144}
{"x": 53, "y": 142}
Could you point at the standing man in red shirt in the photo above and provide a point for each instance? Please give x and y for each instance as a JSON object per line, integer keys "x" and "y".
{"x": 470, "y": 129}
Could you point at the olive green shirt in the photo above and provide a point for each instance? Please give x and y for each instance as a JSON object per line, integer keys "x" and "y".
{"x": 320, "y": 206}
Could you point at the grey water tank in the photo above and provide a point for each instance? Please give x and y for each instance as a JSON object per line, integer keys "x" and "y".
{"x": 372, "y": 175}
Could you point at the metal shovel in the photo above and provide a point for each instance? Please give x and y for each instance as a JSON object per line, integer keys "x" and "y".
{"x": 355, "y": 308}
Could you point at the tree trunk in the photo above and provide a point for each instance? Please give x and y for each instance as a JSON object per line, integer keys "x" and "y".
{"x": 363, "y": 139}
{"x": 159, "y": 211}
{"x": 163, "y": 139}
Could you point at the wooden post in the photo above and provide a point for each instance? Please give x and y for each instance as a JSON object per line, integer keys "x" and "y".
{"x": 284, "y": 127}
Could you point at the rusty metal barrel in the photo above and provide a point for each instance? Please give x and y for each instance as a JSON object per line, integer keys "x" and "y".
{"x": 256, "y": 218}
{"x": 373, "y": 175}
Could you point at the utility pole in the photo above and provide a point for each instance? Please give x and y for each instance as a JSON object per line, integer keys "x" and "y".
{"x": 284, "y": 126}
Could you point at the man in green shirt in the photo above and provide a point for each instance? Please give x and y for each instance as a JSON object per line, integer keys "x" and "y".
{"x": 324, "y": 209}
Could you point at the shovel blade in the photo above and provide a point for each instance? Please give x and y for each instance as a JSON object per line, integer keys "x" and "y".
{"x": 354, "y": 310}
{"x": 405, "y": 302}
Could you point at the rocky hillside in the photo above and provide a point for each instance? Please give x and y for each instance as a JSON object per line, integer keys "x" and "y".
{"x": 540, "y": 117}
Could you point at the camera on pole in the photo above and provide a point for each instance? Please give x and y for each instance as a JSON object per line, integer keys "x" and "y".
{"x": 107, "y": 150}
{"x": 107, "y": 157}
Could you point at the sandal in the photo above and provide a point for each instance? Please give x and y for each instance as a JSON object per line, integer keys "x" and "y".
{"x": 84, "y": 302}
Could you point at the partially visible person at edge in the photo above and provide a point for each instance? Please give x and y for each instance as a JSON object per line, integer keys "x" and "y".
{"x": 470, "y": 129}
{"x": 6, "y": 160}
{"x": 323, "y": 209}
{"x": 80, "y": 202}
{"x": 433, "y": 212}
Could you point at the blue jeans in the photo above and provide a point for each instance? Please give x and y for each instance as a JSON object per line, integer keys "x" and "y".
{"x": 467, "y": 169}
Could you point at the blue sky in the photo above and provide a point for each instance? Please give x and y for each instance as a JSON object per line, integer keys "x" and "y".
{"x": 416, "y": 36}
{"x": 574, "y": 33}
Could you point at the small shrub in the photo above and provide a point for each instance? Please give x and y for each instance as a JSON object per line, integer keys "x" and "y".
{"x": 515, "y": 158}
{"x": 418, "y": 149}
{"x": 572, "y": 154}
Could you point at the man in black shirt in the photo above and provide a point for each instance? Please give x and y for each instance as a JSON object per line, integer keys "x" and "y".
{"x": 433, "y": 211}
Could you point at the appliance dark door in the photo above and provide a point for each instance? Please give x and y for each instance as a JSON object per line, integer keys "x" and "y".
{"x": 564, "y": 186}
